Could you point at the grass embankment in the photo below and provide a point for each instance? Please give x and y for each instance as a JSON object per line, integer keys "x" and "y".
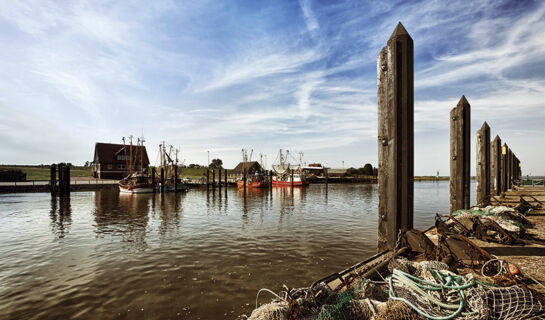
{"x": 43, "y": 172}
{"x": 430, "y": 178}
{"x": 195, "y": 173}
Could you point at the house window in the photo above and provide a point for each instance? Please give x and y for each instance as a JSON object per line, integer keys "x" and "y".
{"x": 110, "y": 167}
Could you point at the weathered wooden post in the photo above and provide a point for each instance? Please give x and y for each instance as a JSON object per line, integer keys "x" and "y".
{"x": 213, "y": 178}
{"x": 60, "y": 168}
{"x": 460, "y": 144}
{"x": 244, "y": 180}
{"x": 326, "y": 176}
{"x": 395, "y": 137}
{"x": 219, "y": 179}
{"x": 495, "y": 163}
{"x": 175, "y": 178}
{"x": 225, "y": 173}
{"x": 53, "y": 179}
{"x": 483, "y": 165}
{"x": 67, "y": 180}
{"x": 162, "y": 179}
{"x": 207, "y": 178}
{"x": 509, "y": 168}
{"x": 292, "y": 179}
{"x": 504, "y": 168}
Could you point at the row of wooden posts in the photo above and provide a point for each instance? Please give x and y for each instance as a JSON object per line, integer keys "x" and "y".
{"x": 63, "y": 187}
{"x": 498, "y": 167}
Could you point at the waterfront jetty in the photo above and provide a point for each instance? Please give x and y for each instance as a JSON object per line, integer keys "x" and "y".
{"x": 481, "y": 262}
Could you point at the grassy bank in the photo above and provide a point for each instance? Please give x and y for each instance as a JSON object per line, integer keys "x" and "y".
{"x": 43, "y": 172}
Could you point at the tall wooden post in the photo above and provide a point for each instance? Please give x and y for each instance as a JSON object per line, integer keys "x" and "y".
{"x": 225, "y": 173}
{"x": 67, "y": 180}
{"x": 207, "y": 178}
{"x": 495, "y": 163}
{"x": 460, "y": 144}
{"x": 60, "y": 168}
{"x": 219, "y": 178}
{"x": 509, "y": 168}
{"x": 504, "y": 167}
{"x": 326, "y": 176}
{"x": 244, "y": 180}
{"x": 213, "y": 178}
{"x": 162, "y": 179}
{"x": 483, "y": 165}
{"x": 53, "y": 179}
{"x": 292, "y": 178}
{"x": 395, "y": 77}
{"x": 175, "y": 178}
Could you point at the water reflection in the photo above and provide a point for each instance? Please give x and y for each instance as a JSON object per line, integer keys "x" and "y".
{"x": 61, "y": 216}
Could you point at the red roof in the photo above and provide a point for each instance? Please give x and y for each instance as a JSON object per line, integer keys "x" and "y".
{"x": 107, "y": 153}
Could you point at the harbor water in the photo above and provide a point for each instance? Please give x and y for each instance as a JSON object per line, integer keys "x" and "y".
{"x": 197, "y": 255}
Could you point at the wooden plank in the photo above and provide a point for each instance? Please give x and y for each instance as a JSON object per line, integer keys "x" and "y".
{"x": 395, "y": 77}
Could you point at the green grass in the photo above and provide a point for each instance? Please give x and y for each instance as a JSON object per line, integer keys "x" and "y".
{"x": 199, "y": 172}
{"x": 43, "y": 172}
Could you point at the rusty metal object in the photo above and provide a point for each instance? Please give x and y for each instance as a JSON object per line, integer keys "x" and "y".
{"x": 417, "y": 241}
{"x": 462, "y": 248}
{"x": 510, "y": 238}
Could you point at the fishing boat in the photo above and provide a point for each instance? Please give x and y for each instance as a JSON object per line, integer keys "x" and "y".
{"x": 170, "y": 167}
{"x": 137, "y": 181}
{"x": 254, "y": 179}
{"x": 287, "y": 174}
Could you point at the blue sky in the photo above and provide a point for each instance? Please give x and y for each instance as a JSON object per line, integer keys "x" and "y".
{"x": 297, "y": 75}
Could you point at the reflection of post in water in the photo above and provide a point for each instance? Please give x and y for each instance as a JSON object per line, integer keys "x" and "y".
{"x": 61, "y": 222}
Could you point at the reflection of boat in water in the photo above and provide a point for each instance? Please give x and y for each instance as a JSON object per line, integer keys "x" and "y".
{"x": 137, "y": 181}
{"x": 286, "y": 174}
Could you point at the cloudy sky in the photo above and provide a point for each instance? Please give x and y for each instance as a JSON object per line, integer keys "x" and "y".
{"x": 297, "y": 75}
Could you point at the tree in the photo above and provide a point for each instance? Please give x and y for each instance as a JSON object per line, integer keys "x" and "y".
{"x": 367, "y": 169}
{"x": 216, "y": 164}
{"x": 86, "y": 164}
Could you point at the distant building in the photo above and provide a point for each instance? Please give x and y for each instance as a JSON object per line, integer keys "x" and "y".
{"x": 337, "y": 172}
{"x": 112, "y": 161}
{"x": 250, "y": 166}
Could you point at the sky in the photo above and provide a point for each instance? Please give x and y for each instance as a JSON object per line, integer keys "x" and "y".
{"x": 219, "y": 76}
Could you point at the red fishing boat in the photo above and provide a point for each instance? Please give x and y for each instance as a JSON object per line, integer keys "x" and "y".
{"x": 288, "y": 175}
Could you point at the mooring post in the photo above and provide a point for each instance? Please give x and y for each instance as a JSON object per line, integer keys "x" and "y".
{"x": 509, "y": 168}
{"x": 213, "y": 178}
{"x": 292, "y": 179}
{"x": 175, "y": 178}
{"x": 162, "y": 177}
{"x": 207, "y": 178}
{"x": 53, "y": 179}
{"x": 483, "y": 165}
{"x": 504, "y": 168}
{"x": 60, "y": 169}
{"x": 244, "y": 180}
{"x": 67, "y": 181}
{"x": 395, "y": 77}
{"x": 225, "y": 173}
{"x": 219, "y": 179}
{"x": 495, "y": 163}
{"x": 460, "y": 144}
{"x": 153, "y": 179}
{"x": 326, "y": 176}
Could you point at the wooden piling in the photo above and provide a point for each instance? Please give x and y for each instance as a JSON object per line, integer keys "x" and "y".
{"x": 207, "y": 178}
{"x": 225, "y": 173}
{"x": 175, "y": 178}
{"x": 219, "y": 178}
{"x": 460, "y": 144}
{"x": 483, "y": 165}
{"x": 213, "y": 178}
{"x": 504, "y": 168}
{"x": 395, "y": 77}
{"x": 244, "y": 180}
{"x": 53, "y": 179}
{"x": 67, "y": 180}
{"x": 60, "y": 168}
{"x": 292, "y": 178}
{"x": 153, "y": 175}
{"x": 162, "y": 177}
{"x": 495, "y": 167}
{"x": 326, "y": 176}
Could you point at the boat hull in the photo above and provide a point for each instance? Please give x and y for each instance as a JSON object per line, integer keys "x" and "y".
{"x": 240, "y": 184}
{"x": 143, "y": 189}
{"x": 277, "y": 183}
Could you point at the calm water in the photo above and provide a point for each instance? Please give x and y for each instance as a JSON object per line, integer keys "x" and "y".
{"x": 102, "y": 255}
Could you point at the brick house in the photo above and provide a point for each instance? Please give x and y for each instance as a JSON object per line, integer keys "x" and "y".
{"x": 111, "y": 161}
